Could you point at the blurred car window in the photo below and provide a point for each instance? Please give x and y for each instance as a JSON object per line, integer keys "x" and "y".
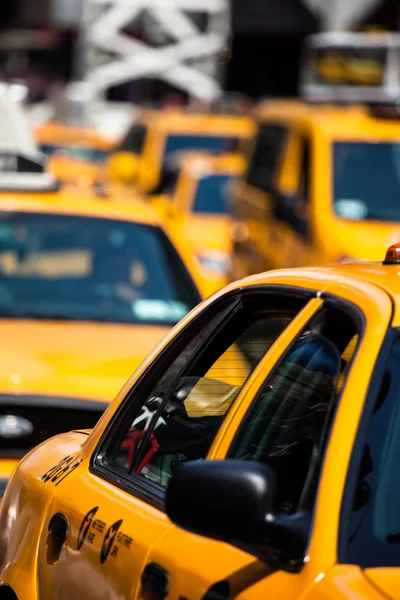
{"x": 82, "y": 268}
{"x": 212, "y": 194}
{"x": 134, "y": 141}
{"x": 175, "y": 148}
{"x": 367, "y": 180}
{"x": 183, "y": 411}
{"x": 266, "y": 155}
{"x": 76, "y": 152}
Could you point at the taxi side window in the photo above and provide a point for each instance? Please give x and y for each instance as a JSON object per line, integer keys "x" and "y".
{"x": 184, "y": 408}
{"x": 266, "y": 156}
{"x": 294, "y": 208}
{"x": 288, "y": 424}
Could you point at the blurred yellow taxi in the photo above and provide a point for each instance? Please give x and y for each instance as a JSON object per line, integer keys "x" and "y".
{"x": 278, "y": 480}
{"x": 89, "y": 284}
{"x": 199, "y": 210}
{"x": 151, "y": 153}
{"x": 323, "y": 175}
{"x": 75, "y": 154}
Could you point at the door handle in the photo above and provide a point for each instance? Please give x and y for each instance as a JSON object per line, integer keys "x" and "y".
{"x": 58, "y": 527}
{"x": 155, "y": 581}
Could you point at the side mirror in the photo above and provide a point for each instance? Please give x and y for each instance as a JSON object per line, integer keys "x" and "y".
{"x": 233, "y": 501}
{"x": 124, "y": 166}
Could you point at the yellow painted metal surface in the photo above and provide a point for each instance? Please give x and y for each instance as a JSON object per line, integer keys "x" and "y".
{"x": 123, "y": 532}
{"x": 67, "y": 141}
{"x": 161, "y": 124}
{"x": 262, "y": 240}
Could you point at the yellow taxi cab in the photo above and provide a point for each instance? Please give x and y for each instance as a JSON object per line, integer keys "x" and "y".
{"x": 89, "y": 284}
{"x": 276, "y": 482}
{"x": 199, "y": 210}
{"x": 323, "y": 175}
{"x": 75, "y": 154}
{"x": 150, "y": 154}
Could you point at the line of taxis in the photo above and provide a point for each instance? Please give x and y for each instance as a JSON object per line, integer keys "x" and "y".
{"x": 253, "y": 453}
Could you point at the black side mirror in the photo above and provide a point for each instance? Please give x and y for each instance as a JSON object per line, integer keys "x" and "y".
{"x": 233, "y": 501}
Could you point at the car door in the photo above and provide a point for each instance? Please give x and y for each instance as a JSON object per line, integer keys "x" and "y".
{"x": 285, "y": 422}
{"x": 292, "y": 231}
{"x": 252, "y": 208}
{"x": 108, "y": 513}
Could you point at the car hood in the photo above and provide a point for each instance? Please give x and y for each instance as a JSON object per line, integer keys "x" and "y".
{"x": 362, "y": 240}
{"x": 85, "y": 360}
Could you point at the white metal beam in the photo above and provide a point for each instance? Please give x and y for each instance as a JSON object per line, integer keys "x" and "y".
{"x": 189, "y": 61}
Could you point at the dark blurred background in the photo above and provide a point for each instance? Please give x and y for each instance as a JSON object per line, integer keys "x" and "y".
{"x": 38, "y": 38}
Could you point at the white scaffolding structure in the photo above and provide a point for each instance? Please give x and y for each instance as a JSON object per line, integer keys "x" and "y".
{"x": 188, "y": 59}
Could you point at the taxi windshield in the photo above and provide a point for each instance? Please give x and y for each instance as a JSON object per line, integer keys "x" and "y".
{"x": 366, "y": 180}
{"x": 76, "y": 152}
{"x": 177, "y": 145}
{"x": 212, "y": 194}
{"x": 81, "y": 268}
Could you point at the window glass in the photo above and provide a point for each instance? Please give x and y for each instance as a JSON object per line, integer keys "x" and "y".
{"x": 82, "y": 268}
{"x": 374, "y": 534}
{"x": 212, "y": 194}
{"x": 266, "y": 156}
{"x": 361, "y": 170}
{"x": 78, "y": 152}
{"x": 182, "y": 413}
{"x": 175, "y": 148}
{"x": 287, "y": 425}
{"x": 135, "y": 139}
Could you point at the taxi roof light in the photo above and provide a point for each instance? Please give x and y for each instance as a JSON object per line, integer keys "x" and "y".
{"x": 393, "y": 255}
{"x": 350, "y": 67}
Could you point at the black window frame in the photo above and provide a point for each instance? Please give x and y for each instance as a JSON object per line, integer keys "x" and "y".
{"x": 285, "y": 205}
{"x": 257, "y": 151}
{"x": 137, "y": 485}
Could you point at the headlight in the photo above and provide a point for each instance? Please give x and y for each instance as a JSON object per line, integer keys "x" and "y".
{"x": 218, "y": 262}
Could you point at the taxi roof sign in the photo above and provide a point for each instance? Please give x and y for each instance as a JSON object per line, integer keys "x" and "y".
{"x": 351, "y": 67}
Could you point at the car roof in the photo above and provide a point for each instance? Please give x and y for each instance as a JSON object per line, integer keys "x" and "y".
{"x": 57, "y": 133}
{"x": 335, "y": 120}
{"x": 95, "y": 201}
{"x": 385, "y": 277}
{"x": 210, "y": 124}
{"x": 200, "y": 163}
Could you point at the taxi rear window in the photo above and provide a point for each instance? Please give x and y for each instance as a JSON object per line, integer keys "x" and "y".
{"x": 212, "y": 194}
{"x": 81, "y": 268}
{"x": 359, "y": 170}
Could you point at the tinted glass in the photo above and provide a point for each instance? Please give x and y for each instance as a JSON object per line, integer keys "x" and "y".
{"x": 76, "y": 152}
{"x": 374, "y": 534}
{"x": 212, "y": 194}
{"x": 135, "y": 139}
{"x": 68, "y": 267}
{"x": 177, "y": 145}
{"x": 287, "y": 425}
{"x": 366, "y": 179}
{"x": 181, "y": 415}
{"x": 266, "y": 155}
